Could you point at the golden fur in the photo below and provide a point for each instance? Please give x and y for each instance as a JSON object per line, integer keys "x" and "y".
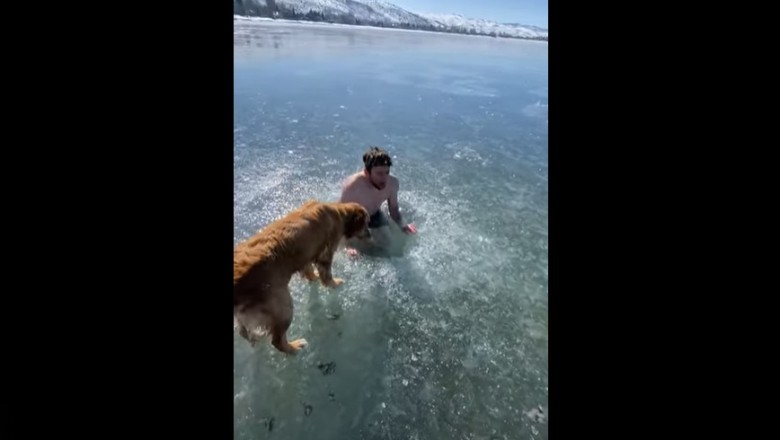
{"x": 264, "y": 264}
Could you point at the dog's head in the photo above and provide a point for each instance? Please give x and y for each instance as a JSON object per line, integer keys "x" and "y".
{"x": 356, "y": 221}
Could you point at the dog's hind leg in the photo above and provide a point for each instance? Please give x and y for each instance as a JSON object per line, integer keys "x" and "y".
{"x": 282, "y": 316}
{"x": 252, "y": 322}
{"x": 279, "y": 340}
{"x": 245, "y": 334}
{"x": 241, "y": 329}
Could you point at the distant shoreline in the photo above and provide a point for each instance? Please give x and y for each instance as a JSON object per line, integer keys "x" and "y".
{"x": 329, "y": 24}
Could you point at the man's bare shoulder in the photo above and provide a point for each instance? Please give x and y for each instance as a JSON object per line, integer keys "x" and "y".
{"x": 352, "y": 180}
{"x": 392, "y": 182}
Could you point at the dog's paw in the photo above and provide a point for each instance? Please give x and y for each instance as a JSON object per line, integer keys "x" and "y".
{"x": 298, "y": 344}
{"x": 310, "y": 276}
{"x": 335, "y": 282}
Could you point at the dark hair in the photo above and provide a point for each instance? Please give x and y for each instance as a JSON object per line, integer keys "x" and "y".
{"x": 376, "y": 157}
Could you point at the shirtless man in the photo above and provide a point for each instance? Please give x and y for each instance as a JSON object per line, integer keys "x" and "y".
{"x": 371, "y": 188}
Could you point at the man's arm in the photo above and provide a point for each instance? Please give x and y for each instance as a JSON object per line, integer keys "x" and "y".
{"x": 395, "y": 214}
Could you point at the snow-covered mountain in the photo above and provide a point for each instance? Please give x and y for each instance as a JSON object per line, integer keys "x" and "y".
{"x": 484, "y": 27}
{"x": 388, "y": 12}
{"x": 381, "y": 13}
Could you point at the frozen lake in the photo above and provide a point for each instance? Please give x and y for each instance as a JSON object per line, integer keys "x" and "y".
{"x": 449, "y": 338}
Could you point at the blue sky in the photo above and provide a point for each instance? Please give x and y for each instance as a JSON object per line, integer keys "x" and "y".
{"x": 533, "y": 12}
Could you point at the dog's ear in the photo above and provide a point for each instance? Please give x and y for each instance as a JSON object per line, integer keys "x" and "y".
{"x": 357, "y": 220}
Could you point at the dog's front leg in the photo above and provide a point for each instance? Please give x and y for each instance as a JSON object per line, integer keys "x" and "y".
{"x": 324, "y": 262}
{"x": 309, "y": 273}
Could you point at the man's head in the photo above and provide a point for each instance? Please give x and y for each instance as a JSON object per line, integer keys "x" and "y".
{"x": 377, "y": 166}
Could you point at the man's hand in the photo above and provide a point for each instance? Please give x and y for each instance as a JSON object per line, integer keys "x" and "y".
{"x": 410, "y": 229}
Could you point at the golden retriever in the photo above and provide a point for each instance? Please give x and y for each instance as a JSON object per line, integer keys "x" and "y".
{"x": 264, "y": 264}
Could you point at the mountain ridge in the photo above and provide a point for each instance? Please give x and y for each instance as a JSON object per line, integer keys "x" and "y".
{"x": 381, "y": 13}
